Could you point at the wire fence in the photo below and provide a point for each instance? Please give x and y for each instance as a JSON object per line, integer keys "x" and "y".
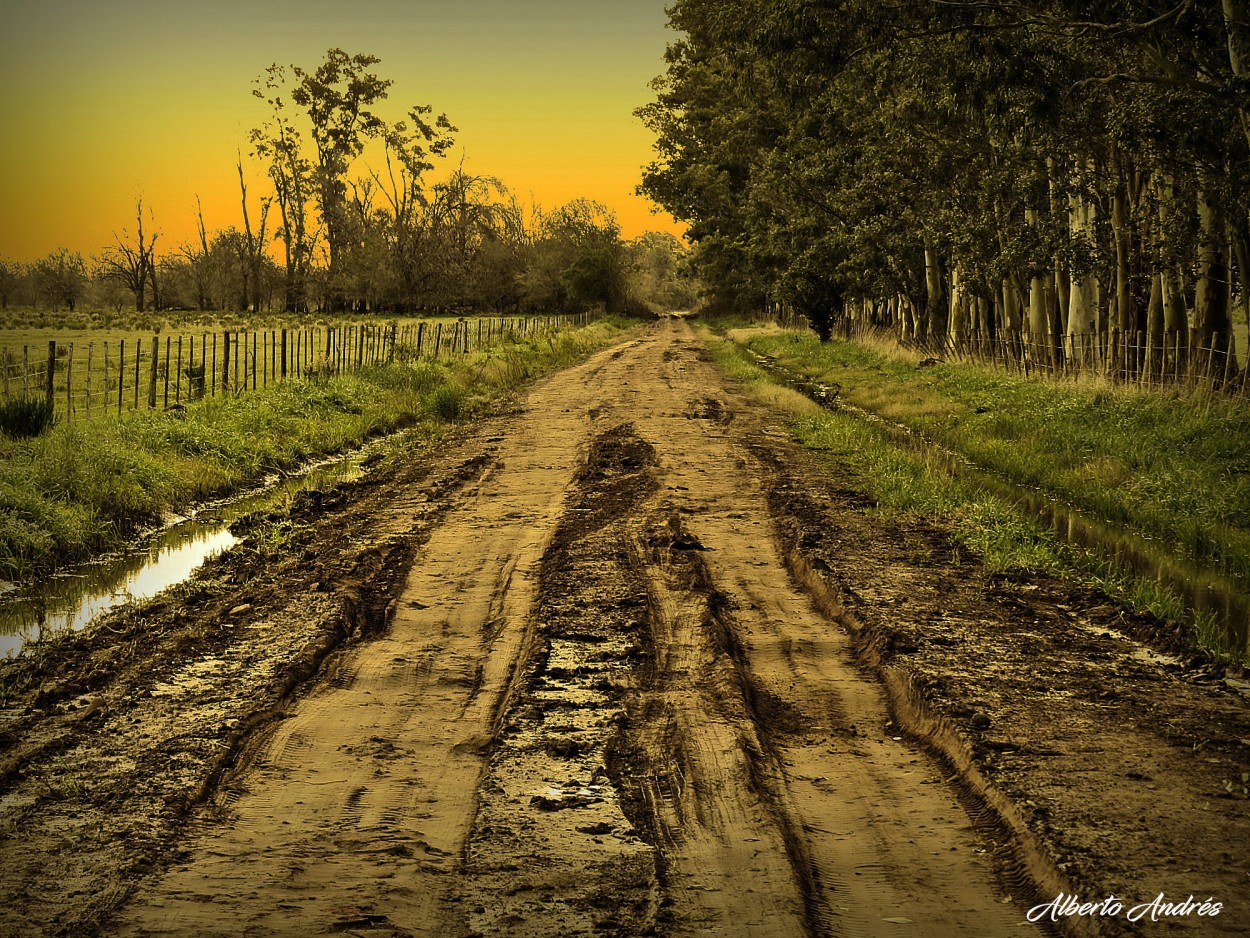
{"x": 94, "y": 379}
{"x": 1176, "y": 358}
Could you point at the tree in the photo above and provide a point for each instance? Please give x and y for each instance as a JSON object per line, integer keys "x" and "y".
{"x": 10, "y": 277}
{"x": 198, "y": 268}
{"x": 250, "y": 247}
{"x": 62, "y": 277}
{"x": 577, "y": 260}
{"x": 337, "y": 102}
{"x": 131, "y": 260}
{"x": 278, "y": 142}
{"x": 660, "y": 276}
{"x": 964, "y": 170}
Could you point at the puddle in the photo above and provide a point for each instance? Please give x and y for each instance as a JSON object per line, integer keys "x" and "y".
{"x": 71, "y": 599}
{"x": 1203, "y": 590}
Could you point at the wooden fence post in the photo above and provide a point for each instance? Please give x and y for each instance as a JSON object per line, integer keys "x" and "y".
{"x": 90, "y": 349}
{"x": 69, "y": 383}
{"x": 121, "y": 371}
{"x": 225, "y": 371}
{"x": 51, "y": 370}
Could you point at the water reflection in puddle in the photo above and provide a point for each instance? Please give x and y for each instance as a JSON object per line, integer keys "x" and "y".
{"x": 1204, "y": 591}
{"x": 72, "y": 599}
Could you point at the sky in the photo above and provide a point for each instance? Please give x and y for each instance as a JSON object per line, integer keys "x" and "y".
{"x": 105, "y": 102}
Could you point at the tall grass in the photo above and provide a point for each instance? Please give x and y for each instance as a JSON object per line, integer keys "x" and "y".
{"x": 86, "y": 487}
{"x": 25, "y": 416}
{"x": 1172, "y": 465}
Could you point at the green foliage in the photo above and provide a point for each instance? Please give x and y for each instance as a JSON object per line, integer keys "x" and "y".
{"x": 446, "y": 402}
{"x": 824, "y": 152}
{"x": 26, "y": 416}
{"x": 395, "y": 242}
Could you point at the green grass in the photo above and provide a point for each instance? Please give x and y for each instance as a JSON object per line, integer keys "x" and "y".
{"x": 1173, "y": 466}
{"x": 1089, "y": 434}
{"x": 85, "y": 487}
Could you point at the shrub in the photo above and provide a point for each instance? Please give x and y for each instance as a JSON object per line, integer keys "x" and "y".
{"x": 26, "y": 416}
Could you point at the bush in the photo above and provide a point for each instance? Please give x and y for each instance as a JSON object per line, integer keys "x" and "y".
{"x": 27, "y": 416}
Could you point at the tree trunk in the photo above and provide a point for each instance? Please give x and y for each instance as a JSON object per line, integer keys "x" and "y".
{"x": 1237, "y": 27}
{"x": 1211, "y": 299}
{"x": 1241, "y": 251}
{"x": 936, "y": 310}
{"x": 1175, "y": 315}
{"x": 1124, "y": 322}
{"x": 958, "y": 307}
{"x": 1155, "y": 328}
{"x": 1083, "y": 314}
{"x": 1041, "y": 301}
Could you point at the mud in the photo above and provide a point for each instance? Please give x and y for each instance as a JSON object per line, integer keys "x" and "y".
{"x": 622, "y": 661}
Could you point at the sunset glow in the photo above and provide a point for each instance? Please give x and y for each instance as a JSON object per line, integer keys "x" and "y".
{"x": 104, "y": 104}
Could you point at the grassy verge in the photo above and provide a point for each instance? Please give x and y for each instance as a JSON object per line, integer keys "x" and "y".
{"x": 87, "y": 487}
{"x": 1175, "y": 467}
{"x": 1165, "y": 466}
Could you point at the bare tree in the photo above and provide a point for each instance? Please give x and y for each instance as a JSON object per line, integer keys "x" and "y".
{"x": 198, "y": 263}
{"x": 252, "y": 246}
{"x": 132, "y": 261}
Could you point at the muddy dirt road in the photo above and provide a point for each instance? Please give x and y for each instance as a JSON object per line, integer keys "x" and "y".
{"x": 622, "y": 662}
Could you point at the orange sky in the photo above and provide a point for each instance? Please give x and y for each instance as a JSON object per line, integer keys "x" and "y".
{"x": 105, "y": 102}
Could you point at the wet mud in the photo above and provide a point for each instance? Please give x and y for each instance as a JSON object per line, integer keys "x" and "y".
{"x": 621, "y": 661}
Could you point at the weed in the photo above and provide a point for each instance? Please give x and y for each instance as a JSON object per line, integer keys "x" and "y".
{"x": 446, "y": 402}
{"x": 1208, "y": 635}
{"x": 26, "y": 416}
{"x": 1238, "y": 786}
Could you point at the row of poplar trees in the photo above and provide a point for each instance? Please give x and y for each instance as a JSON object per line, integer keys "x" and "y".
{"x": 1033, "y": 170}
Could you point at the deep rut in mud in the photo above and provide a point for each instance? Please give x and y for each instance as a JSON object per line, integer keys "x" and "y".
{"x": 635, "y": 673}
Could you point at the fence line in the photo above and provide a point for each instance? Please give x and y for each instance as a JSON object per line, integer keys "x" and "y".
{"x": 136, "y": 374}
{"x": 1126, "y": 358}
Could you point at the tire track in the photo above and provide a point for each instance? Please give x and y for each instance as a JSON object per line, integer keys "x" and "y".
{"x": 552, "y": 852}
{"x": 602, "y": 706}
{"x": 874, "y": 838}
{"x": 358, "y": 806}
{"x": 729, "y": 859}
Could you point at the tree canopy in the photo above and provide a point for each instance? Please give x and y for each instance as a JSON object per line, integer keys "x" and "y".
{"x": 951, "y": 166}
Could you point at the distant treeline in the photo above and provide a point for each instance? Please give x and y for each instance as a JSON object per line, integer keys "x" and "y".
{"x": 347, "y": 223}
{"x": 1038, "y": 170}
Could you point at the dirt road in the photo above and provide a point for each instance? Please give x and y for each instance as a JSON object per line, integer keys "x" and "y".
{"x": 593, "y": 670}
